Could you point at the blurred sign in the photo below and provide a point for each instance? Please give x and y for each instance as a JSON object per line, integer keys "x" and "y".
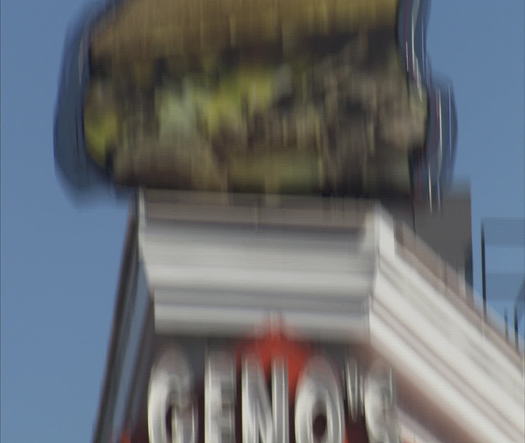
{"x": 308, "y": 97}
{"x": 271, "y": 389}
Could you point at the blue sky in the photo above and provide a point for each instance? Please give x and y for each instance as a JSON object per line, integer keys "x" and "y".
{"x": 60, "y": 261}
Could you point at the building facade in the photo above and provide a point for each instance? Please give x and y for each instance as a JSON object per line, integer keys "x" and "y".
{"x": 408, "y": 353}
